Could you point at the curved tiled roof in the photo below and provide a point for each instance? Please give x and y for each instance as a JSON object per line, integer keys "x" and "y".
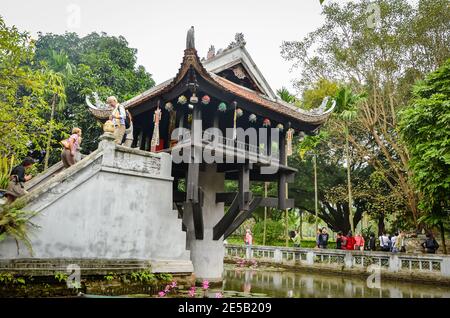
{"x": 191, "y": 59}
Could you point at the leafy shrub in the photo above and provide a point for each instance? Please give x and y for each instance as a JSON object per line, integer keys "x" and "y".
{"x": 274, "y": 230}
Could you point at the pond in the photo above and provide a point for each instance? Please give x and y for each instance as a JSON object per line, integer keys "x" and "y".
{"x": 272, "y": 282}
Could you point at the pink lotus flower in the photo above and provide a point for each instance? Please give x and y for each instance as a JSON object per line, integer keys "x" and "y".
{"x": 161, "y": 294}
{"x": 219, "y": 295}
{"x": 192, "y": 291}
{"x": 174, "y": 284}
{"x": 205, "y": 284}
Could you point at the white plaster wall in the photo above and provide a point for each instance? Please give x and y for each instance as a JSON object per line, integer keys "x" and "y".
{"x": 105, "y": 209}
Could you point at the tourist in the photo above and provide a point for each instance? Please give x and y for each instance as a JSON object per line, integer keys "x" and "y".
{"x": 339, "y": 239}
{"x": 385, "y": 242}
{"x": 323, "y": 242}
{"x": 248, "y": 239}
{"x": 297, "y": 239}
{"x": 127, "y": 139}
{"x": 393, "y": 240}
{"x": 399, "y": 242}
{"x": 318, "y": 238}
{"x": 372, "y": 245}
{"x": 430, "y": 245}
{"x": 350, "y": 241}
{"x": 71, "y": 145}
{"x": 17, "y": 179}
{"x": 118, "y": 117}
{"x": 344, "y": 242}
{"x": 403, "y": 244}
{"x": 359, "y": 242}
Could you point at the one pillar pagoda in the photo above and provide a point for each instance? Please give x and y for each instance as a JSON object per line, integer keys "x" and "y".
{"x": 221, "y": 121}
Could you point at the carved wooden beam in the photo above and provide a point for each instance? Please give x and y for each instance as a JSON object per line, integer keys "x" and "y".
{"x": 221, "y": 226}
{"x": 228, "y": 197}
{"x": 197, "y": 214}
{"x": 242, "y": 217}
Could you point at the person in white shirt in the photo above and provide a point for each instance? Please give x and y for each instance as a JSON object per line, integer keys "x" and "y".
{"x": 393, "y": 240}
{"x": 385, "y": 242}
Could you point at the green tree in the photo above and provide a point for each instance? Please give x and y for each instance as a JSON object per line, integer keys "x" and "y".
{"x": 425, "y": 129}
{"x": 23, "y": 94}
{"x": 383, "y": 63}
{"x": 101, "y": 63}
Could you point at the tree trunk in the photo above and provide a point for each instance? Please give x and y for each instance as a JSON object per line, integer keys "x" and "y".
{"x": 301, "y": 225}
{"x": 265, "y": 214}
{"x": 316, "y": 201}
{"x": 442, "y": 229}
{"x": 380, "y": 225}
{"x": 349, "y": 185}
{"x": 50, "y": 132}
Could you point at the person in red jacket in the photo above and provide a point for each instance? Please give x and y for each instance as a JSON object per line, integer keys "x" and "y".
{"x": 350, "y": 242}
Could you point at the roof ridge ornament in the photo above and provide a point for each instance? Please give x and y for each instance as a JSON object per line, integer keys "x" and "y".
{"x": 239, "y": 41}
{"x": 99, "y": 105}
{"x": 190, "y": 39}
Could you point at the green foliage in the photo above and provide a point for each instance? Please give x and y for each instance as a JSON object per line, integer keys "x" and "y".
{"x": 286, "y": 96}
{"x": 378, "y": 65}
{"x": 425, "y": 129}
{"x": 8, "y": 278}
{"x": 145, "y": 276}
{"x": 6, "y": 167}
{"x": 15, "y": 222}
{"x": 61, "y": 277}
{"x": 96, "y": 62}
{"x": 24, "y": 94}
{"x": 313, "y": 96}
{"x": 274, "y": 230}
{"x": 163, "y": 277}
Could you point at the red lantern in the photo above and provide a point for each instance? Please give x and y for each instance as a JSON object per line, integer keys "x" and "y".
{"x": 205, "y": 100}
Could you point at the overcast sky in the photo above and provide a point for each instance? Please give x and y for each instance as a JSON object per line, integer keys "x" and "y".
{"x": 157, "y": 29}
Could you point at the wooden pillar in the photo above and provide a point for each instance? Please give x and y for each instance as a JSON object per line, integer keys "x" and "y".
{"x": 281, "y": 175}
{"x": 196, "y": 151}
{"x": 141, "y": 142}
{"x": 244, "y": 187}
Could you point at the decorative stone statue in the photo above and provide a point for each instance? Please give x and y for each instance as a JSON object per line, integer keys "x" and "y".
{"x": 99, "y": 105}
{"x": 190, "y": 40}
{"x": 108, "y": 127}
{"x": 239, "y": 38}
{"x": 238, "y": 41}
{"x": 211, "y": 52}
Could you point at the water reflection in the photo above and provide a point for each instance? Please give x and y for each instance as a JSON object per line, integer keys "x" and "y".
{"x": 312, "y": 285}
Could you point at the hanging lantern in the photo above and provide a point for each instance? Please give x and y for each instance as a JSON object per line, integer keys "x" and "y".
{"x": 169, "y": 106}
{"x": 252, "y": 118}
{"x": 222, "y": 107}
{"x": 205, "y": 100}
{"x": 182, "y": 100}
{"x": 289, "y": 136}
{"x": 266, "y": 122}
{"x": 193, "y": 99}
{"x": 239, "y": 112}
{"x": 280, "y": 126}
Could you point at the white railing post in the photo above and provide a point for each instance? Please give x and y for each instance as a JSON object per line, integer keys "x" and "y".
{"x": 445, "y": 267}
{"x": 348, "y": 260}
{"x": 394, "y": 263}
{"x": 277, "y": 256}
{"x": 310, "y": 257}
